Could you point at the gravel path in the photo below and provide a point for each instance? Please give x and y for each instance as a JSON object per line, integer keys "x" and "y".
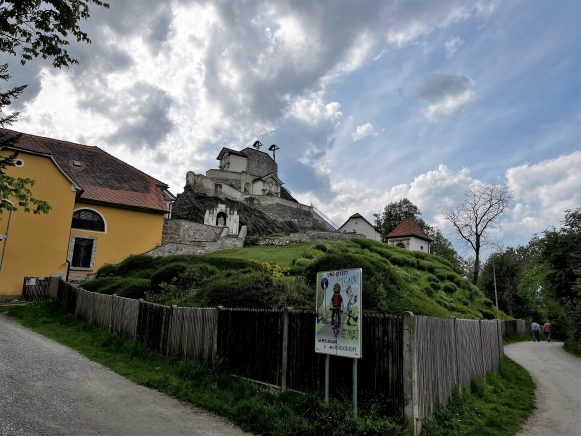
{"x": 49, "y": 389}
{"x": 558, "y": 378}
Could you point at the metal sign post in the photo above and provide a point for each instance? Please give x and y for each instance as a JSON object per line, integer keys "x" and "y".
{"x": 339, "y": 317}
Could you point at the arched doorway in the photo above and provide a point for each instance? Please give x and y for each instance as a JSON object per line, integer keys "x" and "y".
{"x": 400, "y": 245}
{"x": 221, "y": 219}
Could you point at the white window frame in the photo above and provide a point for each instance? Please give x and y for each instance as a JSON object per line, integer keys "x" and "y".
{"x": 72, "y": 249}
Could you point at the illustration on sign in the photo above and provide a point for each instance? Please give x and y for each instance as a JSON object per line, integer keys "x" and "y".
{"x": 339, "y": 313}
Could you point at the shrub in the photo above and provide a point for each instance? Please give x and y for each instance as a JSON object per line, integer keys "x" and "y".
{"x": 433, "y": 279}
{"x": 403, "y": 261}
{"x": 321, "y": 247}
{"x": 441, "y": 275}
{"x": 222, "y": 263}
{"x": 275, "y": 270}
{"x": 107, "y": 270}
{"x": 487, "y": 314}
{"x": 135, "y": 263}
{"x": 251, "y": 241}
{"x": 100, "y": 283}
{"x": 487, "y": 301}
{"x": 167, "y": 274}
{"x": 449, "y": 288}
{"x": 253, "y": 290}
{"x": 195, "y": 276}
{"x": 129, "y": 288}
{"x": 435, "y": 286}
{"x": 428, "y": 291}
{"x": 143, "y": 274}
{"x": 426, "y": 266}
{"x": 474, "y": 291}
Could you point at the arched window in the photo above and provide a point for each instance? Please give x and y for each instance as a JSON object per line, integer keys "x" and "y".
{"x": 86, "y": 219}
{"x": 247, "y": 187}
{"x": 400, "y": 245}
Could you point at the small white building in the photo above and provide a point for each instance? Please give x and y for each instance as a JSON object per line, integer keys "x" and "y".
{"x": 410, "y": 236}
{"x": 358, "y": 224}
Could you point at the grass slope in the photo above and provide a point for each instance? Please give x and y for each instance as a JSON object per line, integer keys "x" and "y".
{"x": 496, "y": 406}
{"x": 573, "y": 347}
{"x": 252, "y": 406}
{"x": 395, "y": 280}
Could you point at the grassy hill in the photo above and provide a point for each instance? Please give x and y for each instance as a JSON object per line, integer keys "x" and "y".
{"x": 394, "y": 280}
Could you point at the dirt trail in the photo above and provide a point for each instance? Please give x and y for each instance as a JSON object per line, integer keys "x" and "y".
{"x": 558, "y": 378}
{"x": 49, "y": 389}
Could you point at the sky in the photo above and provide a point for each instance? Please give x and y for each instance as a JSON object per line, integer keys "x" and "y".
{"x": 369, "y": 101}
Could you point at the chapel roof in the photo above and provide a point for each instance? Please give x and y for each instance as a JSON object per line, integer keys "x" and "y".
{"x": 102, "y": 177}
{"x": 408, "y": 227}
{"x": 231, "y": 151}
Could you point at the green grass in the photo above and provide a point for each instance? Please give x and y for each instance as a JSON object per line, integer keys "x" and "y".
{"x": 572, "y": 347}
{"x": 281, "y": 255}
{"x": 252, "y": 406}
{"x": 507, "y": 340}
{"x": 496, "y": 406}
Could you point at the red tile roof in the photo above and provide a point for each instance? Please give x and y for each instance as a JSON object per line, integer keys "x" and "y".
{"x": 408, "y": 227}
{"x": 103, "y": 178}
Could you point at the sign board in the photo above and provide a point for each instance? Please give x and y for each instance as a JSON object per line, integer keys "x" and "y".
{"x": 339, "y": 314}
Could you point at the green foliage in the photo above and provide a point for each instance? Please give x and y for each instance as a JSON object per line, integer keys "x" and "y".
{"x": 395, "y": 212}
{"x": 487, "y": 314}
{"x": 135, "y": 263}
{"x": 107, "y": 270}
{"x": 573, "y": 347}
{"x": 124, "y": 287}
{"x": 426, "y": 266}
{"x": 441, "y": 275}
{"x": 100, "y": 283}
{"x": 143, "y": 274}
{"x": 435, "y": 286}
{"x": 251, "y": 241}
{"x": 449, "y": 288}
{"x": 429, "y": 291}
{"x": 321, "y": 247}
{"x": 497, "y": 405}
{"x": 167, "y": 274}
{"x": 40, "y": 28}
{"x": 222, "y": 263}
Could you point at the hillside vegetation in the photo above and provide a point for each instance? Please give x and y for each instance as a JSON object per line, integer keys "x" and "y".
{"x": 394, "y": 280}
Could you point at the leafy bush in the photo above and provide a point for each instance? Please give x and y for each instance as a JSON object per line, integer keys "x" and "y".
{"x": 135, "y": 263}
{"x": 222, "y": 263}
{"x": 403, "y": 261}
{"x": 143, "y": 274}
{"x": 100, "y": 283}
{"x": 433, "y": 279}
{"x": 251, "y": 241}
{"x": 275, "y": 270}
{"x": 462, "y": 283}
{"x": 441, "y": 275}
{"x": 428, "y": 291}
{"x": 449, "y": 288}
{"x": 253, "y": 290}
{"x": 435, "y": 286}
{"x": 486, "y": 301}
{"x": 107, "y": 270}
{"x": 167, "y": 274}
{"x": 299, "y": 266}
{"x": 426, "y": 266}
{"x": 487, "y": 314}
{"x": 321, "y": 247}
{"x": 195, "y": 276}
{"x": 127, "y": 287}
{"x": 474, "y": 291}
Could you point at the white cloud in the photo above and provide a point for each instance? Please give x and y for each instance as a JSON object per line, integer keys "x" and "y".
{"x": 365, "y": 130}
{"x": 452, "y": 46}
{"x": 449, "y": 107}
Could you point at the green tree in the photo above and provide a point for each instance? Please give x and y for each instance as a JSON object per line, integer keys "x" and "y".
{"x": 442, "y": 247}
{"x": 395, "y": 212}
{"x": 41, "y": 28}
{"x": 14, "y": 188}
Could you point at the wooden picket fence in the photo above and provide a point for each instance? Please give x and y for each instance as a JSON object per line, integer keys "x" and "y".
{"x": 412, "y": 363}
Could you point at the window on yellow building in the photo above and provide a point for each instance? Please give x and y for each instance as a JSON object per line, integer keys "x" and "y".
{"x": 82, "y": 253}
{"x": 85, "y": 219}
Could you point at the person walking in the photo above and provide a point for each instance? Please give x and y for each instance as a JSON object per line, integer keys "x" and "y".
{"x": 535, "y": 328}
{"x": 547, "y": 328}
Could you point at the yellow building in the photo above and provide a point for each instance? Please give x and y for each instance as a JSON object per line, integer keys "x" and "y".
{"x": 103, "y": 210}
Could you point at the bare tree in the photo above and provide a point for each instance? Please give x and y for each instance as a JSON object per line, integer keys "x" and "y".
{"x": 473, "y": 219}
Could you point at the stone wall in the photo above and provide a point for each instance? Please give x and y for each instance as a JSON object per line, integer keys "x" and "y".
{"x": 259, "y": 163}
{"x": 313, "y": 236}
{"x": 305, "y": 219}
{"x": 198, "y": 248}
{"x": 184, "y": 231}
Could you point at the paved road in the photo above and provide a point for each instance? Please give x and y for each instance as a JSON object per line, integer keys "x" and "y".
{"x": 49, "y": 389}
{"x": 558, "y": 378}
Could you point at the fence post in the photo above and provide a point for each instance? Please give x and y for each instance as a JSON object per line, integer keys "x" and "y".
{"x": 410, "y": 374}
{"x": 455, "y": 358}
{"x": 285, "y": 322}
{"x": 53, "y": 286}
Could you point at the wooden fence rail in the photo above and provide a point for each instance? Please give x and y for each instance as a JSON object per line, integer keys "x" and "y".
{"x": 413, "y": 363}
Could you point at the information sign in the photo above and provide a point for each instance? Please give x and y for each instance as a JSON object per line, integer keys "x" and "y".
{"x": 339, "y": 314}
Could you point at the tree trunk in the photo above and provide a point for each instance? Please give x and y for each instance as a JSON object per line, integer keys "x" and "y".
{"x": 476, "y": 261}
